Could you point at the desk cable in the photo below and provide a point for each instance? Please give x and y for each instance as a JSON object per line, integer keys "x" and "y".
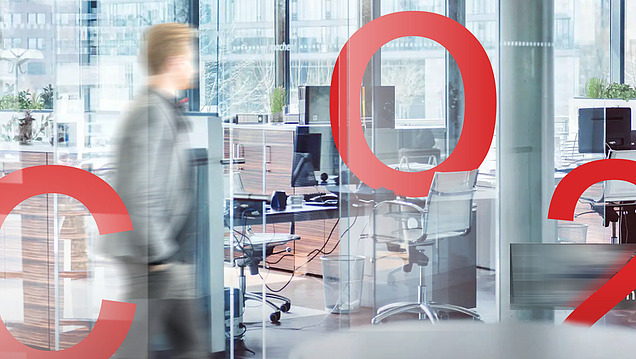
{"x": 300, "y": 266}
{"x": 338, "y": 242}
{"x": 250, "y": 254}
{"x": 315, "y": 251}
{"x": 333, "y": 310}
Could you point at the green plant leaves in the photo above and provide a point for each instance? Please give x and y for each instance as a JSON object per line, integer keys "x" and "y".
{"x": 622, "y": 91}
{"x": 598, "y": 88}
{"x": 24, "y": 101}
{"x": 277, "y": 99}
{"x": 594, "y": 87}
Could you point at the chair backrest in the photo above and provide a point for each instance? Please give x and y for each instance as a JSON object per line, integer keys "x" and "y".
{"x": 397, "y": 221}
{"x": 238, "y": 186}
{"x": 449, "y": 203}
{"x": 445, "y": 213}
{"x": 429, "y": 156}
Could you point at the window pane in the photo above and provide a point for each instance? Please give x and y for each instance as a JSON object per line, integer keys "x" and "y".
{"x": 319, "y": 29}
{"x": 581, "y": 53}
{"x": 416, "y": 67}
{"x": 630, "y": 43}
{"x": 241, "y": 79}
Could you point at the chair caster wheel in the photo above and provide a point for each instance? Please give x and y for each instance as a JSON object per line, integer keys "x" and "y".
{"x": 285, "y": 307}
{"x": 442, "y": 315}
{"x": 275, "y": 317}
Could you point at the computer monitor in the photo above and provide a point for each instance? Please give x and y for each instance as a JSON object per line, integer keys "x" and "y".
{"x": 618, "y": 128}
{"x": 306, "y": 158}
{"x": 313, "y": 105}
{"x": 385, "y": 144}
{"x": 591, "y": 130}
{"x": 384, "y": 106}
{"x": 328, "y": 170}
{"x": 601, "y": 129}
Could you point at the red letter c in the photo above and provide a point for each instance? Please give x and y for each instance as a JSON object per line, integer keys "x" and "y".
{"x": 111, "y": 216}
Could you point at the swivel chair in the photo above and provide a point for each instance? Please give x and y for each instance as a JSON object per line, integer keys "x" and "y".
{"x": 417, "y": 231}
{"x": 250, "y": 246}
{"x": 252, "y": 249}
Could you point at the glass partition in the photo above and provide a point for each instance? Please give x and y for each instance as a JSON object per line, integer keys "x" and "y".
{"x": 283, "y": 240}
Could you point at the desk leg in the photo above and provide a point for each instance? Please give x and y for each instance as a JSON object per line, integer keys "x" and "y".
{"x": 614, "y": 236}
{"x": 292, "y": 226}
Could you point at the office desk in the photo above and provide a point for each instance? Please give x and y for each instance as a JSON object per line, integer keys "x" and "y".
{"x": 290, "y": 215}
{"x": 312, "y": 223}
{"x": 304, "y": 213}
{"x": 620, "y": 207}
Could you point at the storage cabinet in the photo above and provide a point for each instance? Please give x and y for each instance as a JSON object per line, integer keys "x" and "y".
{"x": 27, "y": 258}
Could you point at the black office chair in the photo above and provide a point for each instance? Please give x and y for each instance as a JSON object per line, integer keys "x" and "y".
{"x": 251, "y": 246}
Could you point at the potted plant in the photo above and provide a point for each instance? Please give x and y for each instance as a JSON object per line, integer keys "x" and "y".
{"x": 601, "y": 94}
{"x": 27, "y": 103}
{"x": 595, "y": 87}
{"x": 47, "y": 97}
{"x": 277, "y": 99}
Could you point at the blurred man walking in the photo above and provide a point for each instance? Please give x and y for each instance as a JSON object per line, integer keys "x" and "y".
{"x": 154, "y": 180}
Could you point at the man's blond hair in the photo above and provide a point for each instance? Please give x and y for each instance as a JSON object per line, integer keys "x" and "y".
{"x": 165, "y": 40}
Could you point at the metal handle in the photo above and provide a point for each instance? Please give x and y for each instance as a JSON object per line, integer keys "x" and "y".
{"x": 268, "y": 154}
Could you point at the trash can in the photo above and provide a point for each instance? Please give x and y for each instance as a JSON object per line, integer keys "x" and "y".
{"x": 569, "y": 232}
{"x": 342, "y": 282}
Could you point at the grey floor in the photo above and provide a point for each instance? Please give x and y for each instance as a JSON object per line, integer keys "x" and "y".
{"x": 308, "y": 318}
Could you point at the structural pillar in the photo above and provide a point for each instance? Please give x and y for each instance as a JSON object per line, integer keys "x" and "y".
{"x": 525, "y": 137}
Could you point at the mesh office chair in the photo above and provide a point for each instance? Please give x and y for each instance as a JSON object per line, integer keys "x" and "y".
{"x": 410, "y": 228}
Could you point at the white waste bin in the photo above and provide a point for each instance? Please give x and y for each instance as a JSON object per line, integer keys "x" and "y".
{"x": 342, "y": 281}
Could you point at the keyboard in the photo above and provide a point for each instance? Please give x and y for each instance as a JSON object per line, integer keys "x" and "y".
{"x": 308, "y": 196}
{"x": 321, "y": 199}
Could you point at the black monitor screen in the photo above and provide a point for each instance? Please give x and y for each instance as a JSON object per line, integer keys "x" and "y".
{"x": 306, "y": 158}
{"x": 309, "y": 143}
{"x": 618, "y": 128}
{"x": 591, "y": 121}
{"x": 599, "y": 127}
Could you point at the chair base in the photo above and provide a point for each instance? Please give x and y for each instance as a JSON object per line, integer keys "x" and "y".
{"x": 275, "y": 316}
{"x": 429, "y": 311}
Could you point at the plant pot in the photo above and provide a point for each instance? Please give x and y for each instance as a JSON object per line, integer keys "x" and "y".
{"x": 276, "y": 117}
{"x": 25, "y": 130}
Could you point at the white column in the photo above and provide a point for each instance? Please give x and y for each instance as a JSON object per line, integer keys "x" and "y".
{"x": 525, "y": 139}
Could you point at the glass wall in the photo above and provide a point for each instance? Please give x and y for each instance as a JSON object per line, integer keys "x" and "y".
{"x": 582, "y": 52}
{"x": 300, "y": 246}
